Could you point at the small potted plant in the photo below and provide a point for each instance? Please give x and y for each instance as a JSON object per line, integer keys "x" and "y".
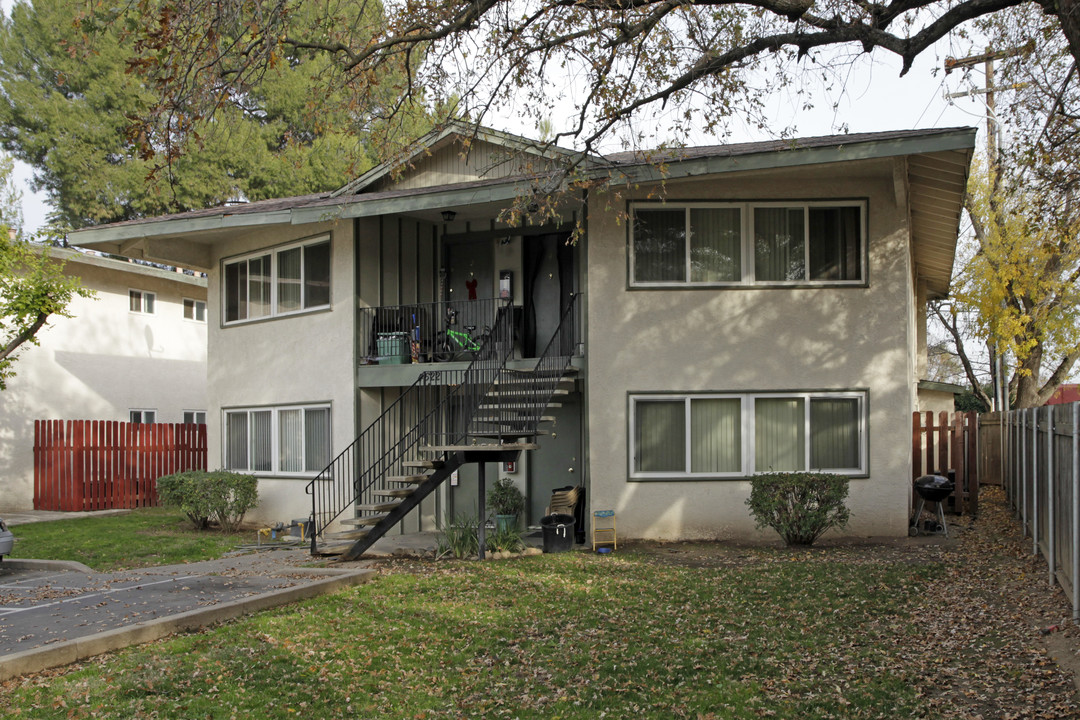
{"x": 507, "y": 502}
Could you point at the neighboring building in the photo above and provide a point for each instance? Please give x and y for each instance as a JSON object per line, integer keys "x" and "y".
{"x": 938, "y": 397}
{"x": 763, "y": 309}
{"x": 1065, "y": 394}
{"x": 135, "y": 352}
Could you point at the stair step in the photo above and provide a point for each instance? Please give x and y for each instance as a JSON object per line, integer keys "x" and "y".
{"x": 537, "y": 372}
{"x": 377, "y": 507}
{"x": 489, "y": 419}
{"x": 487, "y": 427}
{"x": 493, "y": 447}
{"x": 403, "y": 492}
{"x": 366, "y": 520}
{"x": 428, "y": 464}
{"x": 518, "y": 393}
{"x": 334, "y": 548}
{"x": 497, "y": 406}
{"x": 511, "y": 381}
{"x": 354, "y": 534}
{"x": 413, "y": 479}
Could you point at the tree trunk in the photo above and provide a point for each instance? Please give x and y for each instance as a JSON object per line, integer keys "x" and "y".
{"x": 1068, "y": 13}
{"x": 1027, "y": 380}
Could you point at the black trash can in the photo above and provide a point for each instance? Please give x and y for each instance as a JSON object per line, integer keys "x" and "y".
{"x": 558, "y": 532}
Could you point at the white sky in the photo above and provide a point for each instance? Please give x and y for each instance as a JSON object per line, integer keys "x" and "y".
{"x": 876, "y": 99}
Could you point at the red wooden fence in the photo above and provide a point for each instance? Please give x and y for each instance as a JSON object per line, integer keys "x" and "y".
{"x": 948, "y": 443}
{"x": 100, "y": 464}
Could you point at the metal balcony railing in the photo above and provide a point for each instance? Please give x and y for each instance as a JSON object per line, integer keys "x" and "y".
{"x": 428, "y": 332}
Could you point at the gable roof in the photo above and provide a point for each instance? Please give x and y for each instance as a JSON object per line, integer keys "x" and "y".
{"x": 931, "y": 180}
{"x": 465, "y": 134}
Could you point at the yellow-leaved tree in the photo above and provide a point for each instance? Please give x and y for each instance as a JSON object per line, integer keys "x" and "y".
{"x": 1019, "y": 286}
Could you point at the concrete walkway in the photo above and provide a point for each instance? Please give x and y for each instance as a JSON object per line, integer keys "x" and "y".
{"x": 22, "y": 517}
{"x": 54, "y": 613}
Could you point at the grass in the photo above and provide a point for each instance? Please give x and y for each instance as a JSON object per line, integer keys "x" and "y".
{"x": 141, "y": 538}
{"x": 559, "y": 636}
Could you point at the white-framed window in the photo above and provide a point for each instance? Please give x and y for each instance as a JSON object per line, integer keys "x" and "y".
{"x": 718, "y": 435}
{"x": 284, "y": 440}
{"x": 749, "y": 243}
{"x": 140, "y": 301}
{"x": 142, "y": 416}
{"x": 194, "y": 417}
{"x": 195, "y": 310}
{"x": 290, "y": 279}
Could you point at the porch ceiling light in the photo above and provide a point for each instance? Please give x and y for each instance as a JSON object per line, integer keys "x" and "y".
{"x": 449, "y": 215}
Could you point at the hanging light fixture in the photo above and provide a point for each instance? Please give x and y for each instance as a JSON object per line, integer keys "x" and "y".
{"x": 449, "y": 215}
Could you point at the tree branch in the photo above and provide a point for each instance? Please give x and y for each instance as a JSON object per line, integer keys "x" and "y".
{"x": 26, "y": 335}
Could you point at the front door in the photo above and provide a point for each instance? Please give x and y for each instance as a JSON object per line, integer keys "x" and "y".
{"x": 550, "y": 279}
{"x": 557, "y": 463}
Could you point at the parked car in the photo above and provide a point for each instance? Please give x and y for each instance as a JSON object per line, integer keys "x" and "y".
{"x": 6, "y": 539}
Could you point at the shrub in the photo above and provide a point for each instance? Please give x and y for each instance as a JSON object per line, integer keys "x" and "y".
{"x": 505, "y": 498}
{"x": 185, "y": 490}
{"x": 232, "y": 495}
{"x": 219, "y": 496}
{"x": 800, "y": 506}
{"x": 506, "y": 539}
{"x": 458, "y": 537}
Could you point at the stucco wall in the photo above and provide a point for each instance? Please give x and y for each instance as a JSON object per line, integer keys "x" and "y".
{"x": 936, "y": 401}
{"x": 102, "y": 362}
{"x": 752, "y": 340}
{"x": 304, "y": 358}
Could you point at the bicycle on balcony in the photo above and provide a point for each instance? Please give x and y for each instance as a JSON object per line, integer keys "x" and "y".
{"x": 451, "y": 344}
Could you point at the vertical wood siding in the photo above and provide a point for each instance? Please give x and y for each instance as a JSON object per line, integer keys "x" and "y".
{"x": 103, "y": 465}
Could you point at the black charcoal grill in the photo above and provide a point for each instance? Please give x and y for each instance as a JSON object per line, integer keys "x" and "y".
{"x": 935, "y": 489}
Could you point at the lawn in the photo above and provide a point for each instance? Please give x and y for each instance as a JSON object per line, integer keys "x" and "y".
{"x": 701, "y": 631}
{"x": 143, "y": 537}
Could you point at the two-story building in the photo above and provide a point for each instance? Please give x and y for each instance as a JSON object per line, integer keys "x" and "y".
{"x": 134, "y": 352}
{"x": 722, "y": 311}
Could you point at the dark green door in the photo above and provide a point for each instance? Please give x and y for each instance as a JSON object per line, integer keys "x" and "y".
{"x": 558, "y": 462}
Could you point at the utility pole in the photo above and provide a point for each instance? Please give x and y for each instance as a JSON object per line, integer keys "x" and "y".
{"x": 993, "y": 130}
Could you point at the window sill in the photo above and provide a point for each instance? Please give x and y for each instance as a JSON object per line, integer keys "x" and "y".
{"x": 281, "y": 316}
{"x": 728, "y": 478}
{"x": 278, "y": 476}
{"x": 799, "y": 285}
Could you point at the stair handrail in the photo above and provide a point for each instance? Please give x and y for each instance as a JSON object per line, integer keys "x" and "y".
{"x": 543, "y": 379}
{"x": 426, "y": 408}
{"x": 330, "y": 493}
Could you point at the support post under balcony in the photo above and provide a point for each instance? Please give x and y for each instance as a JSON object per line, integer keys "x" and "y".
{"x": 481, "y": 532}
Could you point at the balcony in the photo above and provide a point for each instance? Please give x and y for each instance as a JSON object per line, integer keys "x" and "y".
{"x": 398, "y": 342}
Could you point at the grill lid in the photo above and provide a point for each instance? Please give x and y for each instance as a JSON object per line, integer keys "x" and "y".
{"x": 934, "y": 487}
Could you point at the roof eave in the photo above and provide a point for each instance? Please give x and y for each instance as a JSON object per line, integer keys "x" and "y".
{"x": 772, "y": 159}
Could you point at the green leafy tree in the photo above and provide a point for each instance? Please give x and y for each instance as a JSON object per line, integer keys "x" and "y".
{"x": 69, "y": 96}
{"x": 33, "y": 286}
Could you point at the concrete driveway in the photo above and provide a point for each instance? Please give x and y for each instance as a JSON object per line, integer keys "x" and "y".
{"x": 54, "y": 613}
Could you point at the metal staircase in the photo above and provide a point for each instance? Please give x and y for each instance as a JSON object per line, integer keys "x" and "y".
{"x": 486, "y": 412}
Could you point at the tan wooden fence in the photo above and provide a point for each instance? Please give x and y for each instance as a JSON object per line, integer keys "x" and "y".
{"x": 101, "y": 465}
{"x": 948, "y": 445}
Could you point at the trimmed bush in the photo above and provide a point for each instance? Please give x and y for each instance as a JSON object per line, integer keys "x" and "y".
{"x": 187, "y": 491}
{"x": 800, "y": 506}
{"x": 220, "y": 496}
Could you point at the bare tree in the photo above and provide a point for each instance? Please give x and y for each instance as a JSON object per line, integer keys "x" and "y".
{"x": 595, "y": 64}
